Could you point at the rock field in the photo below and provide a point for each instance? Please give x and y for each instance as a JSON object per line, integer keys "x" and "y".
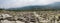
{"x": 30, "y": 17}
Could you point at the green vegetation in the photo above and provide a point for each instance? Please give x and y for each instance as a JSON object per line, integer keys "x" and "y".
{"x": 35, "y": 10}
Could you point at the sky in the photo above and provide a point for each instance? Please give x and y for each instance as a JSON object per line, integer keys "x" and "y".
{"x": 20, "y": 3}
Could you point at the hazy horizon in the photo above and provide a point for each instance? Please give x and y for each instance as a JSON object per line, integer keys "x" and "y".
{"x": 20, "y": 3}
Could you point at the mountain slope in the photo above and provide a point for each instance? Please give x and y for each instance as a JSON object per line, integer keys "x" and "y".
{"x": 29, "y": 8}
{"x": 54, "y": 6}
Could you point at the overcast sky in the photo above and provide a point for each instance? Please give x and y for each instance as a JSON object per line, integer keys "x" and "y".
{"x": 19, "y": 3}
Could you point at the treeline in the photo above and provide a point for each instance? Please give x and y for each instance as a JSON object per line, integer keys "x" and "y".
{"x": 37, "y": 10}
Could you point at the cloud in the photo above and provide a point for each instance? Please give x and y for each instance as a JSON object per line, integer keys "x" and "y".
{"x": 19, "y": 3}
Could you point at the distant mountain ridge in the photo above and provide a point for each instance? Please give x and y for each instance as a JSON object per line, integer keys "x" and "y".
{"x": 54, "y": 6}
